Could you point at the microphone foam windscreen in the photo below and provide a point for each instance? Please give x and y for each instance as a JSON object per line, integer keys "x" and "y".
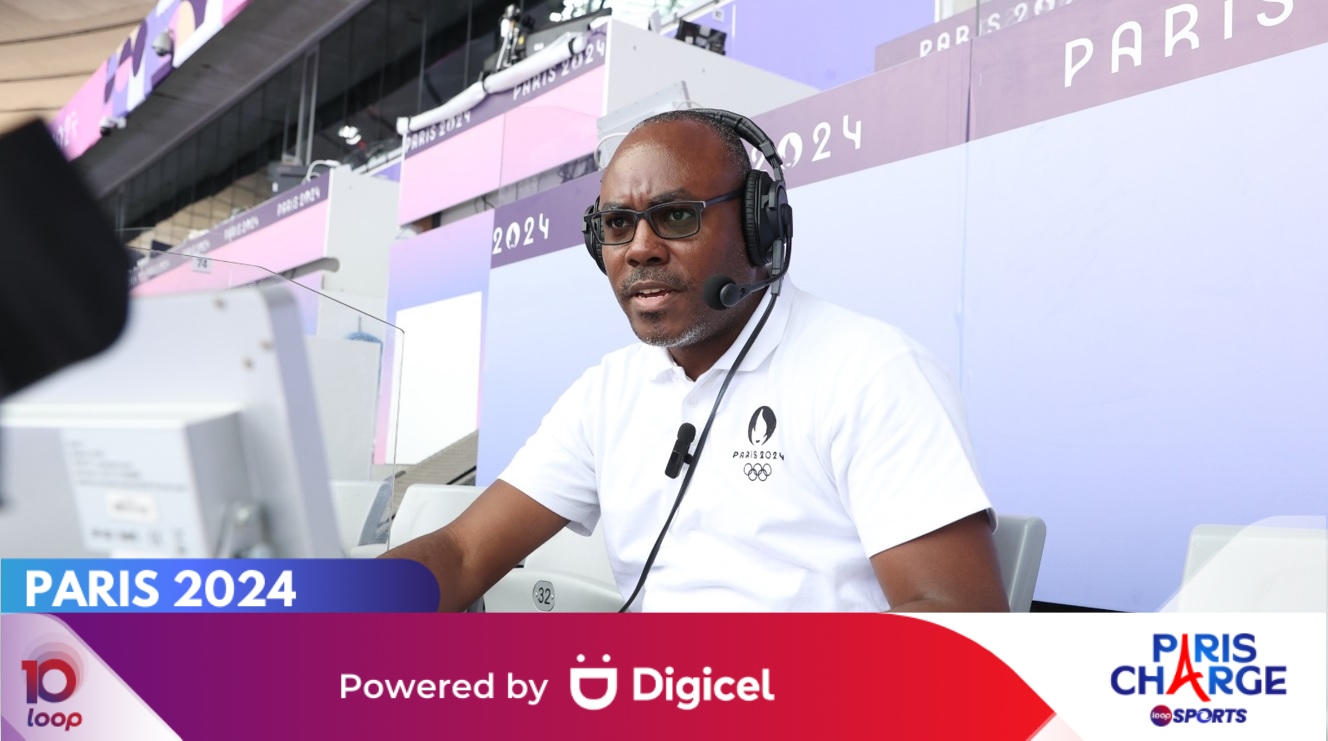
{"x": 714, "y": 290}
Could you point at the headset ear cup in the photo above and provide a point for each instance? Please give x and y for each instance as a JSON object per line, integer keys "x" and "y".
{"x": 593, "y": 246}
{"x": 782, "y": 216}
{"x": 757, "y": 235}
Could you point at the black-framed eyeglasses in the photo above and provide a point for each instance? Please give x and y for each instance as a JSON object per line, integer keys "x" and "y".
{"x": 674, "y": 220}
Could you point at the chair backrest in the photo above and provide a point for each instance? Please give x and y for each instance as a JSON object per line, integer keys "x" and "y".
{"x": 576, "y": 554}
{"x": 351, "y": 501}
{"x": 1260, "y": 568}
{"x": 1019, "y": 543}
{"x": 427, "y": 507}
{"x": 568, "y": 574}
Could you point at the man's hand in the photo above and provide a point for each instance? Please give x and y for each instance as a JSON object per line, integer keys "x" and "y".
{"x": 488, "y": 540}
{"x": 952, "y": 569}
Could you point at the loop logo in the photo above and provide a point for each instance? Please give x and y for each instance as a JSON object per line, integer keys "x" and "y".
{"x": 51, "y": 676}
{"x": 1160, "y": 715}
{"x": 608, "y": 673}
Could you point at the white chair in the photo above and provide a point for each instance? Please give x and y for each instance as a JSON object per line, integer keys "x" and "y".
{"x": 559, "y": 576}
{"x": 351, "y": 501}
{"x": 575, "y": 554}
{"x": 424, "y": 508}
{"x": 427, "y": 507}
{"x": 1019, "y": 544}
{"x": 1275, "y": 566}
{"x": 569, "y": 573}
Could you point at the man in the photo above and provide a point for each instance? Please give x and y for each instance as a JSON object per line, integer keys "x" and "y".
{"x": 849, "y": 487}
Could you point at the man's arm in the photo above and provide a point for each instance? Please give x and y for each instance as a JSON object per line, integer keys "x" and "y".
{"x": 952, "y": 569}
{"x": 477, "y": 549}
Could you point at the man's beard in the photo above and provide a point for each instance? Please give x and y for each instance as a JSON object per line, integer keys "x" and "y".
{"x": 704, "y": 326}
{"x": 650, "y": 333}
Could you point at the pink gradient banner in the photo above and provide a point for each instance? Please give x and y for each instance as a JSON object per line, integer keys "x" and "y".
{"x": 1048, "y": 677}
{"x": 499, "y": 104}
{"x": 553, "y": 128}
{"x": 549, "y": 126}
{"x": 452, "y": 171}
{"x": 282, "y": 246}
{"x": 510, "y": 676}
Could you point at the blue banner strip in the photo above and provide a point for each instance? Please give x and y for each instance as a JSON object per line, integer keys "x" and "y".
{"x": 220, "y": 585}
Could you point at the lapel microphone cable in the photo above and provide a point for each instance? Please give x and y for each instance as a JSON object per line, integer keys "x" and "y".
{"x": 680, "y": 456}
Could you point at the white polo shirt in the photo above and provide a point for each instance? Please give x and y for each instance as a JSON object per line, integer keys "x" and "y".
{"x": 838, "y": 438}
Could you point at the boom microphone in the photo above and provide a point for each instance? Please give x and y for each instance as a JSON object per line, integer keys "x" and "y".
{"x": 722, "y": 292}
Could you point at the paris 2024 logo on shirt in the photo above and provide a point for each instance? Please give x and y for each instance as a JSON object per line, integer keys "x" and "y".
{"x": 758, "y": 461}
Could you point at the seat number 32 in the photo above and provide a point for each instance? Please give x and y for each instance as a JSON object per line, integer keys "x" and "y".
{"x": 543, "y": 595}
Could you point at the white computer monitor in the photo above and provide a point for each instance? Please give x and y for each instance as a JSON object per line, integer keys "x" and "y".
{"x": 196, "y": 435}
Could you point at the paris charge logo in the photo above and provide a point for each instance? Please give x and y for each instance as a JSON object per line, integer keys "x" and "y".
{"x": 50, "y": 678}
{"x": 1200, "y": 668}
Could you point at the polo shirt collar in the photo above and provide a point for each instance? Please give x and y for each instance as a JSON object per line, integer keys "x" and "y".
{"x": 661, "y": 363}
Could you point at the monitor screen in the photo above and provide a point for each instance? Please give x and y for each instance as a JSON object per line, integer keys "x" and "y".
{"x": 196, "y": 435}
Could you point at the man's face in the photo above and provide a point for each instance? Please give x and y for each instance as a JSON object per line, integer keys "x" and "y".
{"x": 659, "y": 282}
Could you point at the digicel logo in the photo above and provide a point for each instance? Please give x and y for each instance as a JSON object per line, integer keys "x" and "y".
{"x": 686, "y": 691}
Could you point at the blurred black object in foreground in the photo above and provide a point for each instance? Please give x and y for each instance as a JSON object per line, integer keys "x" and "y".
{"x": 64, "y": 278}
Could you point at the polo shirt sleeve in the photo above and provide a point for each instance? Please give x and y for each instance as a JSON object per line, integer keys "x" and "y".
{"x": 556, "y": 466}
{"x": 901, "y": 458}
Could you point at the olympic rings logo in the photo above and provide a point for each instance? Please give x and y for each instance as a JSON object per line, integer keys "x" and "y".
{"x": 757, "y": 471}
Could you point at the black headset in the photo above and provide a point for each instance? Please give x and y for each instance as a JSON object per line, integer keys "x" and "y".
{"x": 767, "y": 219}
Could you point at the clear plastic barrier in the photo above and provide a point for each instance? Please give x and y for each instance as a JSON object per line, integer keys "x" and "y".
{"x": 349, "y": 353}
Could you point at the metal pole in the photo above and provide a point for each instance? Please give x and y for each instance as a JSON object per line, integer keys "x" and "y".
{"x": 304, "y": 90}
{"x": 313, "y": 108}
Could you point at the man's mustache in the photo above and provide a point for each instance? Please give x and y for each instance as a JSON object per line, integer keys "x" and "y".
{"x": 654, "y": 275}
